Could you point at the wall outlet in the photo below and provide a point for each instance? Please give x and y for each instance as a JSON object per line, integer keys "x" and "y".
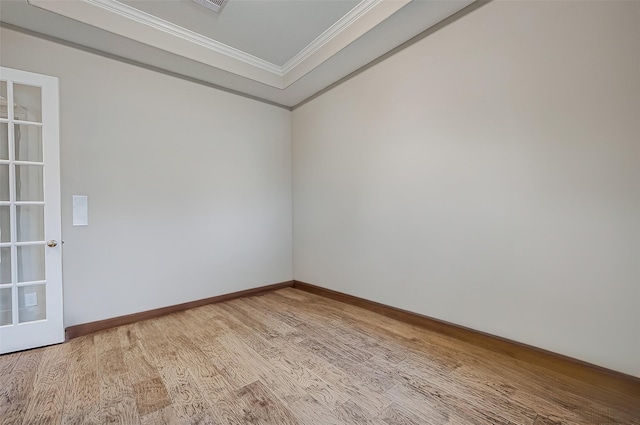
{"x": 31, "y": 299}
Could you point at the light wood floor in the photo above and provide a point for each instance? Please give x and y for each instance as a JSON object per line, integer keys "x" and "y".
{"x": 289, "y": 357}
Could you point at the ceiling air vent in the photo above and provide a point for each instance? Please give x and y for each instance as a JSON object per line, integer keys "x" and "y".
{"x": 215, "y": 5}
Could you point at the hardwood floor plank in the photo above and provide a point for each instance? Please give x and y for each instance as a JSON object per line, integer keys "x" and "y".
{"x": 353, "y": 413}
{"x": 305, "y": 379}
{"x": 150, "y": 395}
{"x": 274, "y": 324}
{"x": 16, "y": 388}
{"x": 399, "y": 415}
{"x": 109, "y": 350}
{"x": 83, "y": 385}
{"x": 225, "y": 412}
{"x": 344, "y": 387}
{"x": 135, "y": 361}
{"x": 46, "y": 405}
{"x": 270, "y": 372}
{"x": 88, "y": 415}
{"x": 164, "y": 416}
{"x": 541, "y": 420}
{"x": 155, "y": 346}
{"x": 231, "y": 367}
{"x": 211, "y": 382}
{"x": 340, "y": 386}
{"x": 291, "y": 357}
{"x": 279, "y": 368}
{"x": 374, "y": 378}
{"x": 259, "y": 405}
{"x": 287, "y": 317}
{"x": 446, "y": 390}
{"x": 343, "y": 345}
{"x": 7, "y": 363}
{"x": 320, "y": 318}
{"x": 217, "y": 392}
{"x": 47, "y": 400}
{"x": 309, "y": 411}
{"x": 187, "y": 401}
{"x": 444, "y": 407}
{"x": 259, "y": 327}
{"x": 118, "y": 405}
{"x": 243, "y": 331}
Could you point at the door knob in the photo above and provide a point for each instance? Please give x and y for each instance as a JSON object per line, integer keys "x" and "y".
{"x": 52, "y": 243}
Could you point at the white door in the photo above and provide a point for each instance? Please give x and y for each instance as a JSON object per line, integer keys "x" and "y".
{"x": 30, "y": 231}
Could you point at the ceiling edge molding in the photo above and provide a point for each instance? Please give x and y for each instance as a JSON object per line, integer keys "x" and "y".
{"x": 359, "y": 24}
{"x": 127, "y": 21}
{"x": 354, "y": 14}
{"x": 183, "y": 33}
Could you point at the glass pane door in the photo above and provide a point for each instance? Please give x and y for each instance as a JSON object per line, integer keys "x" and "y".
{"x": 30, "y": 229}
{"x": 23, "y": 277}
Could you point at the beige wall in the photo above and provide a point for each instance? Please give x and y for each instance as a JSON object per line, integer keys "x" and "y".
{"x": 189, "y": 187}
{"x": 488, "y": 175}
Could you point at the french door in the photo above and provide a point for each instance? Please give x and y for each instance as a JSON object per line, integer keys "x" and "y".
{"x": 30, "y": 228}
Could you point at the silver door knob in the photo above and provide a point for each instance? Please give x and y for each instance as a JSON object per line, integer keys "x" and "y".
{"x": 52, "y": 243}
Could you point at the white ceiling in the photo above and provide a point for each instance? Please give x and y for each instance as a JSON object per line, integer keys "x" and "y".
{"x": 280, "y": 51}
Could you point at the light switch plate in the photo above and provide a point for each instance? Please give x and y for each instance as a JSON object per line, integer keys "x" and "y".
{"x": 30, "y": 299}
{"x": 80, "y": 210}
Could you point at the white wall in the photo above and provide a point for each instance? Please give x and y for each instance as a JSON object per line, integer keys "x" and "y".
{"x": 189, "y": 187}
{"x": 488, "y": 175}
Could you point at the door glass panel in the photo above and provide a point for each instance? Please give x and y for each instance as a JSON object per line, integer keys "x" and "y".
{"x": 32, "y": 303}
{"x": 5, "y": 307}
{"x": 5, "y": 265}
{"x": 4, "y": 182}
{"x": 5, "y": 223}
{"x": 30, "y": 223}
{"x": 4, "y": 141}
{"x": 28, "y": 106}
{"x": 30, "y": 263}
{"x": 28, "y": 143}
{"x": 4, "y": 113}
{"x": 29, "y": 185}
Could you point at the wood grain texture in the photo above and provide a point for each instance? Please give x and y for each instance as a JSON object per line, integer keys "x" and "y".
{"x": 574, "y": 368}
{"x": 83, "y": 398}
{"x": 292, "y": 357}
{"x": 16, "y": 387}
{"x": 87, "y": 328}
{"x": 259, "y": 405}
{"x": 150, "y": 395}
{"x": 46, "y": 401}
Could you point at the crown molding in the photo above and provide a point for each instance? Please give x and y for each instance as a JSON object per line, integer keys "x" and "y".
{"x": 183, "y": 33}
{"x": 127, "y": 21}
{"x": 354, "y": 25}
{"x": 335, "y": 29}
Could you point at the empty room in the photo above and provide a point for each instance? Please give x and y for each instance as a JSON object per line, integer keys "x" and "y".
{"x": 319, "y": 212}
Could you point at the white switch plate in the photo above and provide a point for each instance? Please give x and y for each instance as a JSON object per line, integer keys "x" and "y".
{"x": 30, "y": 299}
{"x": 80, "y": 210}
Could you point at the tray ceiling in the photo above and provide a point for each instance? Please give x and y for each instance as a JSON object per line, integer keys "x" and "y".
{"x": 260, "y": 28}
{"x": 281, "y": 51}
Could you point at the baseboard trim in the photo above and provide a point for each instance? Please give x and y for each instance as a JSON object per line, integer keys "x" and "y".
{"x": 87, "y": 328}
{"x": 578, "y": 369}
